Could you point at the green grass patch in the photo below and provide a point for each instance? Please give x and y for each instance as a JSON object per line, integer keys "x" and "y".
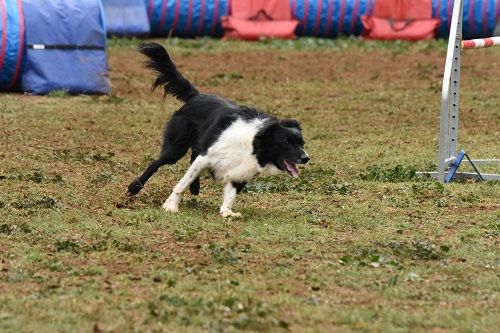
{"x": 357, "y": 243}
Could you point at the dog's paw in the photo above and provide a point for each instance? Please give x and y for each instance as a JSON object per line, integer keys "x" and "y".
{"x": 228, "y": 213}
{"x": 172, "y": 203}
{"x": 171, "y": 207}
{"x": 134, "y": 188}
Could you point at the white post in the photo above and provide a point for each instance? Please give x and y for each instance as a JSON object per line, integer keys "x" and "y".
{"x": 450, "y": 94}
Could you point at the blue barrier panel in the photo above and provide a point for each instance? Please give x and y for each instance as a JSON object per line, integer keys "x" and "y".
{"x": 66, "y": 47}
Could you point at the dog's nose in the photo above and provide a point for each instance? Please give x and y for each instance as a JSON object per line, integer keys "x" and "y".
{"x": 304, "y": 159}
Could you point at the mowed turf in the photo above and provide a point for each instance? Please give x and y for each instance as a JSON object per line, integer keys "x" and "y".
{"x": 355, "y": 244}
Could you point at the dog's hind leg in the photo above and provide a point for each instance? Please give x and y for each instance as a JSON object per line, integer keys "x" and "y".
{"x": 139, "y": 182}
{"x": 176, "y": 142}
{"x": 231, "y": 189}
{"x": 194, "y": 188}
{"x": 167, "y": 157}
{"x": 172, "y": 203}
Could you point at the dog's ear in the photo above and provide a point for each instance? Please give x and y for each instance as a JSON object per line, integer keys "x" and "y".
{"x": 267, "y": 129}
{"x": 290, "y": 123}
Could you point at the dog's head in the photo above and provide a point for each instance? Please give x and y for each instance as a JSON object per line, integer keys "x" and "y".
{"x": 281, "y": 144}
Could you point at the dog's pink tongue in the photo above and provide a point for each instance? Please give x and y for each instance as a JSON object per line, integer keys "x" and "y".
{"x": 292, "y": 168}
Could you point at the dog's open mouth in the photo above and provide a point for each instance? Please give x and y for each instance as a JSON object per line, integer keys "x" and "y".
{"x": 291, "y": 168}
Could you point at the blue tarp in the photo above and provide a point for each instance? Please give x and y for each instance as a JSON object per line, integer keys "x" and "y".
{"x": 66, "y": 47}
{"x": 186, "y": 18}
{"x": 11, "y": 44}
{"x": 126, "y": 17}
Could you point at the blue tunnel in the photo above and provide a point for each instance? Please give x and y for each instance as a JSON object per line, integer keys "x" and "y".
{"x": 321, "y": 18}
{"x": 331, "y": 18}
{"x": 12, "y": 41}
{"x": 126, "y": 17}
{"x": 60, "y": 45}
{"x": 186, "y": 18}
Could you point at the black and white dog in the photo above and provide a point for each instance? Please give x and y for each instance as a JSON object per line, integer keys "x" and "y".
{"x": 234, "y": 142}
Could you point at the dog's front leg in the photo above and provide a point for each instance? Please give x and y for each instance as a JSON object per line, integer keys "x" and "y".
{"x": 172, "y": 203}
{"x": 230, "y": 192}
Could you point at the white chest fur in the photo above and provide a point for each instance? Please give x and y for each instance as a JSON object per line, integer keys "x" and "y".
{"x": 231, "y": 155}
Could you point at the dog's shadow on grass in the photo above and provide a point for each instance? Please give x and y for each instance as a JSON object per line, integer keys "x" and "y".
{"x": 191, "y": 205}
{"x": 156, "y": 200}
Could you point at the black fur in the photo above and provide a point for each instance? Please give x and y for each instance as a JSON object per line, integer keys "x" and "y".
{"x": 168, "y": 76}
{"x": 203, "y": 117}
{"x": 238, "y": 186}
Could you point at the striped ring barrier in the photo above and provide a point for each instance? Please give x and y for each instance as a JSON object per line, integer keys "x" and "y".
{"x": 480, "y": 43}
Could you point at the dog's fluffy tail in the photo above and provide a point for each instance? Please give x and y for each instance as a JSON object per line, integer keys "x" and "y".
{"x": 168, "y": 76}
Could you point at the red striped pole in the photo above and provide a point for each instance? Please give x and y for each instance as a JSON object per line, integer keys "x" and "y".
{"x": 480, "y": 43}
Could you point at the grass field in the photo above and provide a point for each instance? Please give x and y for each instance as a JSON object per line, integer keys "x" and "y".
{"x": 355, "y": 244}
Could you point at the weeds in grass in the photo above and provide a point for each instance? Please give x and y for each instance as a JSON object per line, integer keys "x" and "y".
{"x": 83, "y": 156}
{"x": 230, "y": 311}
{"x": 62, "y": 93}
{"x": 6, "y": 229}
{"x": 185, "y": 232}
{"x": 369, "y": 257}
{"x": 399, "y": 173}
{"x": 32, "y": 204}
{"x": 37, "y": 176}
{"x": 419, "y": 250}
{"x": 224, "y": 78}
{"x": 311, "y": 180}
{"x": 224, "y": 254}
{"x": 66, "y": 245}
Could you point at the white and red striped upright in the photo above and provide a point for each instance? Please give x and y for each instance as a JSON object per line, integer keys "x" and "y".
{"x": 480, "y": 43}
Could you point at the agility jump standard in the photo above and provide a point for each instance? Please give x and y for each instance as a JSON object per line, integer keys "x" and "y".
{"x": 449, "y": 158}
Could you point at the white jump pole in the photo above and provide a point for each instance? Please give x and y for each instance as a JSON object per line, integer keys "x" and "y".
{"x": 450, "y": 93}
{"x": 480, "y": 43}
